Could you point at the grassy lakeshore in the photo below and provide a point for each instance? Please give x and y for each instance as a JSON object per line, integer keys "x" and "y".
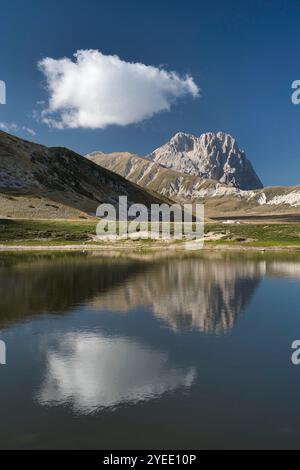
{"x": 82, "y": 233}
{"x": 256, "y": 235}
{"x": 48, "y": 232}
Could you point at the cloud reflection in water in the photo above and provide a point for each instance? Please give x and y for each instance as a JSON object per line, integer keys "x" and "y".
{"x": 90, "y": 371}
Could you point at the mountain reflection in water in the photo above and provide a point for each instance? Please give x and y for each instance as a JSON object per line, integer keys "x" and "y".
{"x": 183, "y": 351}
{"x": 189, "y": 293}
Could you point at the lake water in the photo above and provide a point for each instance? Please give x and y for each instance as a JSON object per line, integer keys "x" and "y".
{"x": 149, "y": 352}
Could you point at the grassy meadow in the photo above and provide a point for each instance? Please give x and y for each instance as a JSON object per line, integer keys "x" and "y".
{"x": 82, "y": 232}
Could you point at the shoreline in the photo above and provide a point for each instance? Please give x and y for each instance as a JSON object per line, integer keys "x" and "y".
{"x": 141, "y": 247}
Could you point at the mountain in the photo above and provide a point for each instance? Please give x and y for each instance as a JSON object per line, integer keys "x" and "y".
{"x": 220, "y": 199}
{"x": 170, "y": 183}
{"x": 37, "y": 182}
{"x": 212, "y": 155}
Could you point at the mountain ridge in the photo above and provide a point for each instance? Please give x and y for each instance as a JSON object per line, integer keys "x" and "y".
{"x": 39, "y": 181}
{"x": 219, "y": 199}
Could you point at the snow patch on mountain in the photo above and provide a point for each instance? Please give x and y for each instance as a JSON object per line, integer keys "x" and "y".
{"x": 292, "y": 199}
{"x": 262, "y": 199}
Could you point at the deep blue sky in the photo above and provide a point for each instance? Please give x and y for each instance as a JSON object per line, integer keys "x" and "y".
{"x": 244, "y": 55}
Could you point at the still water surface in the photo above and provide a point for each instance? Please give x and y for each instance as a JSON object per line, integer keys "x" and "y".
{"x": 147, "y": 352}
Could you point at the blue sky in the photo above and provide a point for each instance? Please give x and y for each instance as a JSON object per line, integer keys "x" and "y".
{"x": 243, "y": 55}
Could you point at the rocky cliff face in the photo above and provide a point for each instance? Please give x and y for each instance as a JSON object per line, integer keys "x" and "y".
{"x": 213, "y": 156}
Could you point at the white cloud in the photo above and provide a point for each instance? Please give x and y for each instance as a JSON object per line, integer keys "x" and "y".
{"x": 8, "y": 126}
{"x": 29, "y": 130}
{"x": 12, "y": 127}
{"x": 97, "y": 90}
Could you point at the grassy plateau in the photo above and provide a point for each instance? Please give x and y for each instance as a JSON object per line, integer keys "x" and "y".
{"x": 83, "y": 232}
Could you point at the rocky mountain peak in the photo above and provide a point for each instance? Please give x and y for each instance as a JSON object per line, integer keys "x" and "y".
{"x": 182, "y": 142}
{"x": 212, "y": 155}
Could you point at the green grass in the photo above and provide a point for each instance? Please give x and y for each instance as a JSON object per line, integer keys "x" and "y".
{"x": 56, "y": 232}
{"x": 257, "y": 234}
{"x": 49, "y": 232}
